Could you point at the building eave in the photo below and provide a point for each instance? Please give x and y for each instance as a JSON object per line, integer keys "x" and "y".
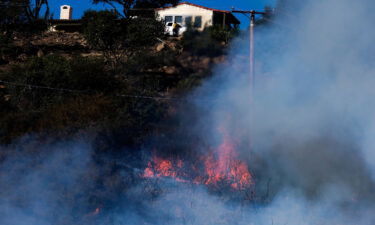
{"x": 192, "y": 4}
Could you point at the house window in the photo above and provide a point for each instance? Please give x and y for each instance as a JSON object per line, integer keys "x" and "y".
{"x": 178, "y": 19}
{"x": 198, "y": 22}
{"x": 188, "y": 20}
{"x": 168, "y": 19}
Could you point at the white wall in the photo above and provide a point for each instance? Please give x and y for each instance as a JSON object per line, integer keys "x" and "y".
{"x": 188, "y": 10}
{"x": 66, "y": 12}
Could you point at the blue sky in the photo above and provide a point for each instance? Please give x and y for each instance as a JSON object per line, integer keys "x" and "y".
{"x": 79, "y": 6}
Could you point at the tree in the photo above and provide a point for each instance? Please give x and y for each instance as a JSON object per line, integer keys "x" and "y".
{"x": 143, "y": 33}
{"x": 33, "y": 10}
{"x": 23, "y": 15}
{"x": 129, "y": 4}
{"x": 11, "y": 13}
{"x": 119, "y": 39}
{"x": 105, "y": 32}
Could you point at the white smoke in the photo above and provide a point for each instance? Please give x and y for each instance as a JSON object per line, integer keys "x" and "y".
{"x": 310, "y": 123}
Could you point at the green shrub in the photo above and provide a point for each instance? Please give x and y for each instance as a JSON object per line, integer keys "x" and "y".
{"x": 85, "y": 74}
{"x": 221, "y": 34}
{"x": 118, "y": 38}
{"x": 209, "y": 42}
{"x": 201, "y": 43}
{"x": 105, "y": 104}
{"x": 5, "y": 48}
{"x": 143, "y": 33}
{"x": 103, "y": 30}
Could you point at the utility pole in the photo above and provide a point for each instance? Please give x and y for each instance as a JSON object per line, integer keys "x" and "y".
{"x": 251, "y": 62}
{"x": 252, "y": 14}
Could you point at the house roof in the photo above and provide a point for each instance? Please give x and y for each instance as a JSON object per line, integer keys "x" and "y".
{"x": 192, "y": 4}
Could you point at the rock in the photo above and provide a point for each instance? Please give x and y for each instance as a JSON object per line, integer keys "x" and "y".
{"x": 22, "y": 57}
{"x": 218, "y": 60}
{"x": 205, "y": 62}
{"x": 7, "y": 97}
{"x": 40, "y": 53}
{"x": 160, "y": 47}
{"x": 170, "y": 70}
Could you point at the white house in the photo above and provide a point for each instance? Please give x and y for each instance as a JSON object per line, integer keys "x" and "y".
{"x": 200, "y": 17}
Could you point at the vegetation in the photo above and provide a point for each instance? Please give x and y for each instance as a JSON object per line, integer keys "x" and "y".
{"x": 62, "y": 95}
{"x": 120, "y": 39}
{"x": 210, "y": 42}
{"x": 68, "y": 95}
{"x": 103, "y": 31}
{"x": 23, "y": 15}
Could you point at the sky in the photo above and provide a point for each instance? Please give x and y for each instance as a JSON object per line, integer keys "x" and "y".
{"x": 79, "y": 6}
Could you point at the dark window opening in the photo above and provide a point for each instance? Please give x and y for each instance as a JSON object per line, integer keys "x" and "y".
{"x": 198, "y": 22}
{"x": 168, "y": 19}
{"x": 178, "y": 19}
{"x": 189, "y": 21}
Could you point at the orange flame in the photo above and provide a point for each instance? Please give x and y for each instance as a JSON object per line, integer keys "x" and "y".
{"x": 225, "y": 168}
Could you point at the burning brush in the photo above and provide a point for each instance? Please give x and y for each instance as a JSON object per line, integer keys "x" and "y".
{"x": 219, "y": 167}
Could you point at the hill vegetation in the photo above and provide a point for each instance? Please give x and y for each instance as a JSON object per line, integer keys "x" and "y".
{"x": 119, "y": 76}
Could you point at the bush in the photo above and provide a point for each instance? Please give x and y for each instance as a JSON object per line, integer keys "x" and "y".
{"x": 104, "y": 106}
{"x": 23, "y": 16}
{"x": 143, "y": 33}
{"x": 5, "y": 48}
{"x": 221, "y": 34}
{"x": 210, "y": 42}
{"x": 201, "y": 43}
{"x": 118, "y": 38}
{"x": 84, "y": 74}
{"x": 105, "y": 32}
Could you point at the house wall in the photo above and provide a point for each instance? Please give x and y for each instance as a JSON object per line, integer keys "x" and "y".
{"x": 188, "y": 10}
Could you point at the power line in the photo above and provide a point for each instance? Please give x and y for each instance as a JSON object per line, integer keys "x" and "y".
{"x": 40, "y": 87}
{"x": 87, "y": 91}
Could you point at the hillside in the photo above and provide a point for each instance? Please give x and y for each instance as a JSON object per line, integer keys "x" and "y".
{"x": 56, "y": 83}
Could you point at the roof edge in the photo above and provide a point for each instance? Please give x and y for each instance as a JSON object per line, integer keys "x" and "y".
{"x": 192, "y": 4}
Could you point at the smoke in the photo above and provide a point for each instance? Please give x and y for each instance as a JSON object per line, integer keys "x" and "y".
{"x": 310, "y": 121}
{"x": 37, "y": 189}
{"x": 307, "y": 134}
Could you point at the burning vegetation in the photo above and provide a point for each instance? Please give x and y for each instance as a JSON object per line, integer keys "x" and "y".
{"x": 219, "y": 166}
